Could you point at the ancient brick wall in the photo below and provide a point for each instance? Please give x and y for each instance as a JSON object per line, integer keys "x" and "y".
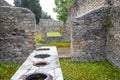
{"x": 17, "y": 33}
{"x": 80, "y": 8}
{"x": 113, "y": 37}
{"x": 49, "y": 25}
{"x": 88, "y": 36}
{"x": 91, "y": 35}
{"x": 115, "y": 2}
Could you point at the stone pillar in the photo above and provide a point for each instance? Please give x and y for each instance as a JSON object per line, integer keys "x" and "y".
{"x": 44, "y": 34}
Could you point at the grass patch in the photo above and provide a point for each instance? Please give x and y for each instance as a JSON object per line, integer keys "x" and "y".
{"x": 54, "y": 34}
{"x": 39, "y": 38}
{"x": 7, "y": 70}
{"x": 71, "y": 70}
{"x": 88, "y": 71}
{"x": 58, "y": 44}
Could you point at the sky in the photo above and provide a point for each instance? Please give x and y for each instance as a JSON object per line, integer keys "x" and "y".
{"x": 47, "y": 6}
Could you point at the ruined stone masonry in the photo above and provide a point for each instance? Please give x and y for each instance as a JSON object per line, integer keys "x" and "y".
{"x": 49, "y": 25}
{"x": 95, "y": 30}
{"x": 17, "y": 33}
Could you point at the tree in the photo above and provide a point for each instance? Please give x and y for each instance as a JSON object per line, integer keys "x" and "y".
{"x": 17, "y": 3}
{"x": 61, "y": 8}
{"x": 33, "y": 5}
{"x": 45, "y": 15}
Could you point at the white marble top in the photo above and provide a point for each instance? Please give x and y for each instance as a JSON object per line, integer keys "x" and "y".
{"x": 52, "y": 68}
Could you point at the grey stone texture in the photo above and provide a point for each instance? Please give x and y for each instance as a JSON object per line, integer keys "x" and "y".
{"x": 113, "y": 38}
{"x": 17, "y": 33}
{"x": 91, "y": 39}
{"x": 49, "y": 25}
{"x": 54, "y": 39}
{"x": 88, "y": 36}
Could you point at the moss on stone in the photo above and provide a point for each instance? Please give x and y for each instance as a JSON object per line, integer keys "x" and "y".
{"x": 108, "y": 23}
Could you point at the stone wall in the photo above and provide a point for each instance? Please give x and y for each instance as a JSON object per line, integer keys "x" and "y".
{"x": 49, "y": 25}
{"x": 113, "y": 38}
{"x": 54, "y": 39}
{"x": 115, "y": 2}
{"x": 82, "y": 7}
{"x": 17, "y": 33}
{"x": 87, "y": 31}
{"x": 91, "y": 35}
{"x": 88, "y": 36}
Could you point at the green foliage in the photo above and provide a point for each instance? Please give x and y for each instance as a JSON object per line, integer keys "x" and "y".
{"x": 58, "y": 44}
{"x": 72, "y": 70}
{"x": 33, "y": 5}
{"x": 45, "y": 15}
{"x": 39, "y": 41}
{"x": 54, "y": 34}
{"x": 61, "y": 28}
{"x": 39, "y": 38}
{"x": 17, "y": 3}
{"x": 108, "y": 23}
{"x": 7, "y": 70}
{"x": 62, "y": 7}
{"x": 88, "y": 71}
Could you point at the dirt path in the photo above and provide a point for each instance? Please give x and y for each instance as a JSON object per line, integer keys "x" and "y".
{"x": 64, "y": 52}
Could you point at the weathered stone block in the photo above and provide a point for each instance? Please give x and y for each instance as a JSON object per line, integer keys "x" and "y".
{"x": 13, "y": 33}
{"x": 113, "y": 38}
{"x": 91, "y": 37}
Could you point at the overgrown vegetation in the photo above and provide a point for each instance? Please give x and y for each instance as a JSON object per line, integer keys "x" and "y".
{"x": 88, "y": 71}
{"x": 61, "y": 9}
{"x": 33, "y": 5}
{"x": 54, "y": 34}
{"x": 72, "y": 70}
{"x": 61, "y": 28}
{"x": 39, "y": 38}
{"x": 45, "y": 15}
{"x": 108, "y": 23}
{"x": 58, "y": 44}
{"x": 7, "y": 70}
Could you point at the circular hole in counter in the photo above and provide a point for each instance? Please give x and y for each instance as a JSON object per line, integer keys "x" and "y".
{"x": 42, "y": 49}
{"x": 42, "y": 56}
{"x": 39, "y": 76}
{"x": 40, "y": 64}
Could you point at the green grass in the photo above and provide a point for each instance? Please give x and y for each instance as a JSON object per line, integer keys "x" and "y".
{"x": 54, "y": 34}
{"x": 72, "y": 70}
{"x": 88, "y": 71}
{"x": 7, "y": 70}
{"x": 58, "y": 44}
{"x": 39, "y": 38}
